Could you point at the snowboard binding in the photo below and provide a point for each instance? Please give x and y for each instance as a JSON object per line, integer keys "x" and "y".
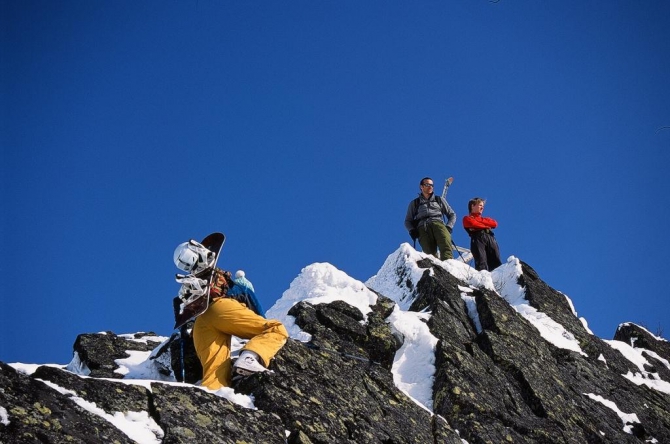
{"x": 193, "y": 257}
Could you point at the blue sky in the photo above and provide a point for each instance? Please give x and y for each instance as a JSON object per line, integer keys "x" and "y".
{"x": 301, "y": 130}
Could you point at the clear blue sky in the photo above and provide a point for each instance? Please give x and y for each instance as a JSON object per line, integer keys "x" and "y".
{"x": 301, "y": 129}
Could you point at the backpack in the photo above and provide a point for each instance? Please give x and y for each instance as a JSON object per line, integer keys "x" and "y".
{"x": 416, "y": 202}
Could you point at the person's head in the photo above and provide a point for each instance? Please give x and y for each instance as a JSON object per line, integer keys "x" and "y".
{"x": 476, "y": 205}
{"x": 427, "y": 186}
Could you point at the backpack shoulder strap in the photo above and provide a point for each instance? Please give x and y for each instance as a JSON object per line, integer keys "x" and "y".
{"x": 440, "y": 200}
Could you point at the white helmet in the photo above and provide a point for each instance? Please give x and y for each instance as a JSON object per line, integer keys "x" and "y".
{"x": 192, "y": 257}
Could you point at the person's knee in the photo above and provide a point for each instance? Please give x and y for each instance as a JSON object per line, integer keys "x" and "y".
{"x": 281, "y": 330}
{"x": 275, "y": 326}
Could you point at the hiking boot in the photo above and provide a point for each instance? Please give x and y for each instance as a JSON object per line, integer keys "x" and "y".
{"x": 248, "y": 363}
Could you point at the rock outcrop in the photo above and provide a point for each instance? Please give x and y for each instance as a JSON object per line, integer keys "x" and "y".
{"x": 497, "y": 380}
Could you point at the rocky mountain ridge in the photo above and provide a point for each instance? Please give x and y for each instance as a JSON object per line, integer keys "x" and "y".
{"x": 497, "y": 378}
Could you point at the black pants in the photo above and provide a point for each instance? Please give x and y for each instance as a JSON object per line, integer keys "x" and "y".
{"x": 485, "y": 251}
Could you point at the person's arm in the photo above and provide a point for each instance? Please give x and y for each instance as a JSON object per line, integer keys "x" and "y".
{"x": 478, "y": 223}
{"x": 450, "y": 213}
{"x": 489, "y": 222}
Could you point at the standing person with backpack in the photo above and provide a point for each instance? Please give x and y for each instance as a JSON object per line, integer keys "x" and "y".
{"x": 483, "y": 244}
{"x": 424, "y": 221}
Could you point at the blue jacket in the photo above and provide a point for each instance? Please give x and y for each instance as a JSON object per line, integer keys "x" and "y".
{"x": 245, "y": 294}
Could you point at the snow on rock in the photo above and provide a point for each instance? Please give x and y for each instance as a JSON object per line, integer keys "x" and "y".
{"x": 413, "y": 368}
{"x": 78, "y": 367}
{"x": 320, "y": 283}
{"x": 658, "y": 338}
{"x": 643, "y": 377}
{"x": 414, "y": 364}
{"x": 398, "y": 276}
{"x": 4, "y": 418}
{"x": 139, "y": 366}
{"x": 627, "y": 418}
{"x": 471, "y": 306}
{"x": 506, "y": 279}
{"x": 138, "y": 426}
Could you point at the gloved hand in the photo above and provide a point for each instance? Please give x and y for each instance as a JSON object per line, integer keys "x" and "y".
{"x": 414, "y": 234}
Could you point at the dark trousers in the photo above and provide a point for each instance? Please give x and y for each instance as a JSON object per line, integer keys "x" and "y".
{"x": 484, "y": 249}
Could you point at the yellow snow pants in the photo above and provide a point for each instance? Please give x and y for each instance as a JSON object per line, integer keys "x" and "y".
{"x": 212, "y": 333}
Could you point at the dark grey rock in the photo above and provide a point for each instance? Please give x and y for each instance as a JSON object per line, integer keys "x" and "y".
{"x": 189, "y": 415}
{"x": 99, "y": 351}
{"x": 504, "y": 383}
{"x": 37, "y": 413}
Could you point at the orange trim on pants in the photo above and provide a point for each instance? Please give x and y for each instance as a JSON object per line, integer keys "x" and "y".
{"x": 212, "y": 332}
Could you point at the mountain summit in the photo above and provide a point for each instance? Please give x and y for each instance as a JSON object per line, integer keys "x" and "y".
{"x": 425, "y": 351}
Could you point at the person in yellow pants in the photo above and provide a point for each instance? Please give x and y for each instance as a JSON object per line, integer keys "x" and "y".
{"x": 212, "y": 333}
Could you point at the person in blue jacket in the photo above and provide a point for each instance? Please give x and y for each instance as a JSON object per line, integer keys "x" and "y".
{"x": 243, "y": 291}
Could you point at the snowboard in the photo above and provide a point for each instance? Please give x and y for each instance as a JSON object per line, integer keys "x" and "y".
{"x": 193, "y": 297}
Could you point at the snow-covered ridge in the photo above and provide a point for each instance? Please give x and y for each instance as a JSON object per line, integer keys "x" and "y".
{"x": 413, "y": 368}
{"x": 414, "y": 364}
{"x": 400, "y": 274}
{"x": 658, "y": 338}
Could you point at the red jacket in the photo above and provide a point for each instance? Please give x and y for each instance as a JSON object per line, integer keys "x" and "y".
{"x": 475, "y": 222}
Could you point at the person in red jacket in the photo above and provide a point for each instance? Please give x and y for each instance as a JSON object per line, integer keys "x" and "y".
{"x": 483, "y": 244}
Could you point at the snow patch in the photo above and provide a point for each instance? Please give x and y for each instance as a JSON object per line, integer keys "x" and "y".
{"x": 143, "y": 339}
{"x": 4, "y": 417}
{"x": 138, "y": 426}
{"x": 29, "y": 369}
{"x": 504, "y": 281}
{"x": 506, "y": 278}
{"x": 628, "y": 419}
{"x": 467, "y": 274}
{"x": 643, "y": 377}
{"x": 414, "y": 364}
{"x": 139, "y": 366}
{"x": 77, "y": 367}
{"x": 471, "y": 306}
{"x": 399, "y": 275}
{"x": 585, "y": 324}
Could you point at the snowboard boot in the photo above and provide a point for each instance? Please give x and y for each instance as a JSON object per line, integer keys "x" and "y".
{"x": 248, "y": 364}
